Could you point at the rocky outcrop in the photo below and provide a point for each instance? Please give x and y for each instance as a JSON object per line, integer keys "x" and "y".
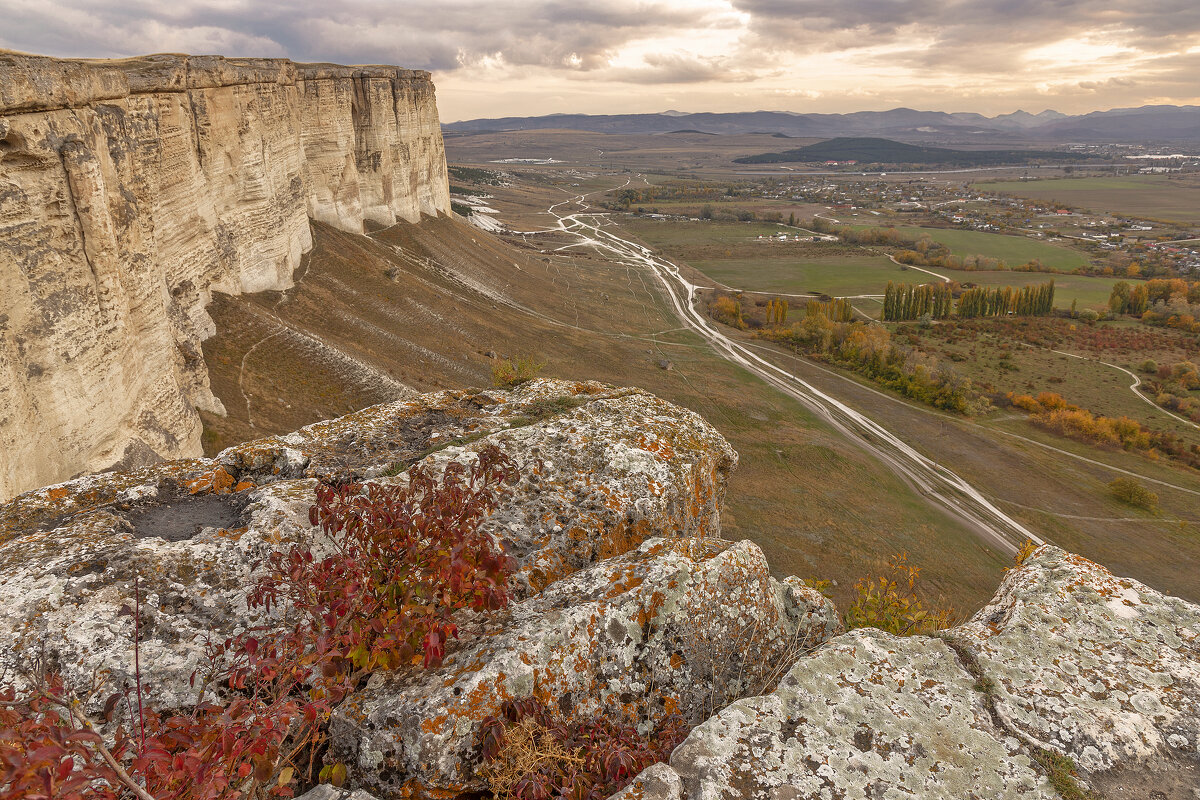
{"x": 1100, "y": 668}
{"x": 869, "y": 713}
{"x": 627, "y": 602}
{"x": 1067, "y": 660}
{"x": 603, "y": 470}
{"x": 130, "y": 190}
{"x": 685, "y": 624}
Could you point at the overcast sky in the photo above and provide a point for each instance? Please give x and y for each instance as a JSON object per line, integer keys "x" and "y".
{"x": 530, "y": 57}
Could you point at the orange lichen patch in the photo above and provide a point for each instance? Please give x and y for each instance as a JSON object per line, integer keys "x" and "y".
{"x": 648, "y": 613}
{"x": 218, "y": 481}
{"x": 415, "y": 790}
{"x": 622, "y": 539}
{"x": 554, "y": 568}
{"x": 57, "y": 493}
{"x": 232, "y": 534}
{"x": 245, "y": 485}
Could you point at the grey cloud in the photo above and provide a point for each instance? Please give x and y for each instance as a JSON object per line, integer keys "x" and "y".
{"x": 680, "y": 68}
{"x": 432, "y": 35}
{"x": 972, "y": 35}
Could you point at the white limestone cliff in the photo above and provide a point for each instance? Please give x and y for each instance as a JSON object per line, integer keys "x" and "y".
{"x": 131, "y": 190}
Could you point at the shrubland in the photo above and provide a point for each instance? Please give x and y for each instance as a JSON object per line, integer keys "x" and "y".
{"x": 871, "y": 351}
{"x": 1051, "y": 411}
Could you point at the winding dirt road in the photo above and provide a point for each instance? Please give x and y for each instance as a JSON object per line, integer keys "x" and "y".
{"x": 938, "y": 484}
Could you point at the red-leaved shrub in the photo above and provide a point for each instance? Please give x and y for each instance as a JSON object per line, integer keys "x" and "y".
{"x": 402, "y": 559}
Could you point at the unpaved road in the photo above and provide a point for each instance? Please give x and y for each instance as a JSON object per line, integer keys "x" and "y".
{"x": 938, "y": 484}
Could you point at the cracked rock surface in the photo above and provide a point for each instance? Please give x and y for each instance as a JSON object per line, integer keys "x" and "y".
{"x": 683, "y": 621}
{"x": 1100, "y": 668}
{"x": 603, "y": 469}
{"x": 1066, "y": 659}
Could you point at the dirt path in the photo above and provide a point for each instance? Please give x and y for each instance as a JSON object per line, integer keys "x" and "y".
{"x": 925, "y": 476}
{"x": 1133, "y": 387}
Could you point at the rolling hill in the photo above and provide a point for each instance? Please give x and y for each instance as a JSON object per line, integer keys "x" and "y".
{"x": 867, "y": 150}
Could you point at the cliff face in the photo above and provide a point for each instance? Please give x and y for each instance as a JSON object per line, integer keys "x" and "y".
{"x": 130, "y": 190}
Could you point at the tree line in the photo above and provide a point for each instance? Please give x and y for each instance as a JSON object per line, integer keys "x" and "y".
{"x": 1028, "y": 301}
{"x": 837, "y": 309}
{"x": 1128, "y": 298}
{"x": 777, "y": 311}
{"x": 907, "y": 301}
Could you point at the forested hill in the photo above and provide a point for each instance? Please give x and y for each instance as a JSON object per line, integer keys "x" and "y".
{"x": 868, "y": 150}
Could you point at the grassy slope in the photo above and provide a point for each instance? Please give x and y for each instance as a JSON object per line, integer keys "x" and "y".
{"x": 817, "y": 505}
{"x": 797, "y": 490}
{"x": 1063, "y": 499}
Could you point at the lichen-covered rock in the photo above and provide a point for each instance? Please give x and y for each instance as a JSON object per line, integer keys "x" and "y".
{"x": 868, "y": 715}
{"x": 62, "y": 587}
{"x": 688, "y": 623}
{"x": 656, "y": 782}
{"x": 602, "y": 470}
{"x": 1102, "y": 669}
{"x": 327, "y": 792}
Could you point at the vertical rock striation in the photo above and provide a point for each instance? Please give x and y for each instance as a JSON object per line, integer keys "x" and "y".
{"x": 130, "y": 190}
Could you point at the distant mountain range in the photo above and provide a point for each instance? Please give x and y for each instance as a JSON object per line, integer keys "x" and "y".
{"x": 1147, "y": 123}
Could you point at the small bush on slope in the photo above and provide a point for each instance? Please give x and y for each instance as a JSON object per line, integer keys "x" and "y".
{"x": 1130, "y": 492}
{"x": 510, "y": 372}
{"x": 890, "y": 602}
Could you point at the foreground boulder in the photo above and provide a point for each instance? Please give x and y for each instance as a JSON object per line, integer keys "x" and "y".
{"x": 869, "y": 715}
{"x": 1066, "y": 662}
{"x": 602, "y": 469}
{"x": 627, "y": 603}
{"x": 686, "y": 624}
{"x": 1099, "y": 668}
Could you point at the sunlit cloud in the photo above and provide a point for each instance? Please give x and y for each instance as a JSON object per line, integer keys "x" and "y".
{"x": 504, "y": 57}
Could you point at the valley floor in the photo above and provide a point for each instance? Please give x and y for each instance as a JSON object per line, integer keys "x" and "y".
{"x": 421, "y": 307}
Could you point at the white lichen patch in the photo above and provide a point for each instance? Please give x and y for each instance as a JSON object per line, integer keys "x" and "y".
{"x": 1103, "y": 669}
{"x": 868, "y": 715}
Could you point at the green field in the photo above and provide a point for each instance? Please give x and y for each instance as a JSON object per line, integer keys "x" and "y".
{"x": 870, "y": 275}
{"x": 866, "y": 274}
{"x": 729, "y": 253}
{"x": 676, "y": 233}
{"x": 1148, "y": 196}
{"x": 1013, "y": 250}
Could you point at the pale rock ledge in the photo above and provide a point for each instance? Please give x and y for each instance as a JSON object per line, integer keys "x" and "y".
{"x": 623, "y": 584}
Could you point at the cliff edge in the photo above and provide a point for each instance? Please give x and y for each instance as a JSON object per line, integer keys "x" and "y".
{"x": 131, "y": 190}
